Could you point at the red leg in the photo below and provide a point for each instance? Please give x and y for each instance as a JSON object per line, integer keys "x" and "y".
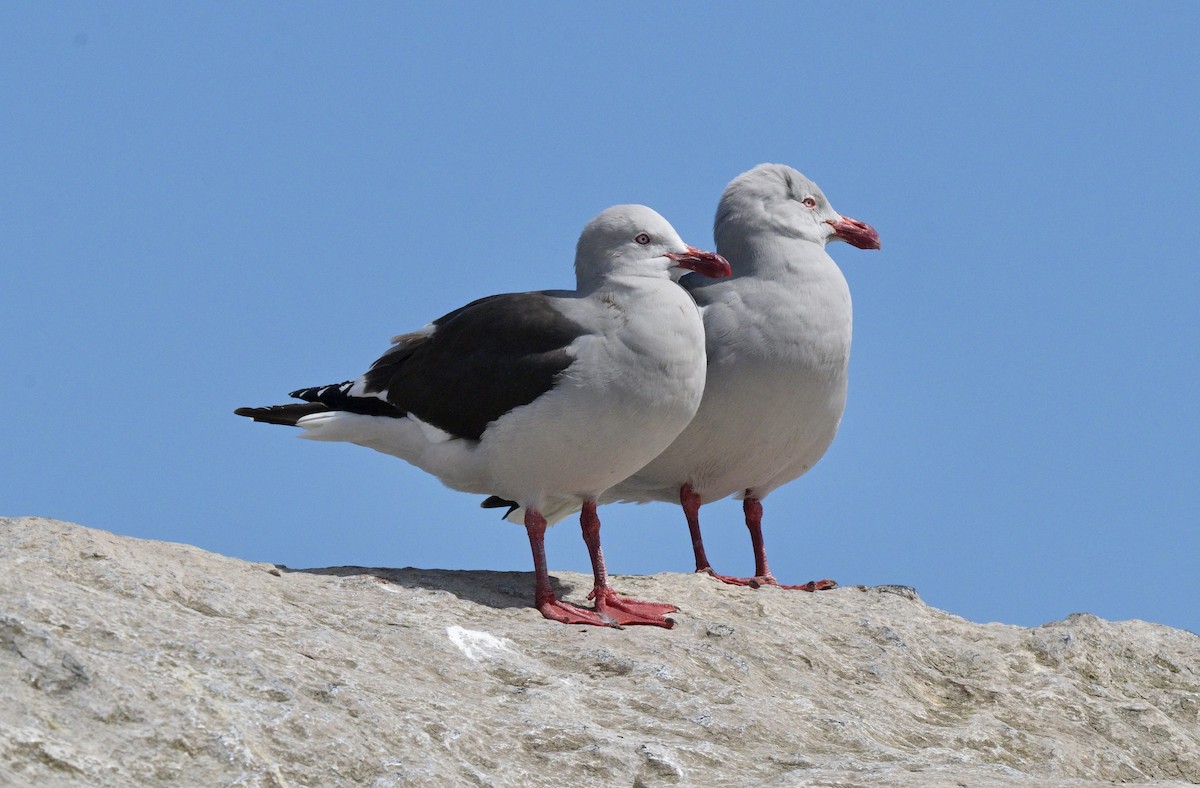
{"x": 752, "y": 507}
{"x": 690, "y": 500}
{"x": 544, "y": 598}
{"x": 609, "y": 605}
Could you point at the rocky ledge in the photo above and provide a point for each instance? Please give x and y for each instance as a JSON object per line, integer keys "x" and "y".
{"x": 132, "y": 662}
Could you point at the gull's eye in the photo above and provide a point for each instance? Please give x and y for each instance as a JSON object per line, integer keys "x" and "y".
{"x": 809, "y": 202}
{"x": 642, "y": 238}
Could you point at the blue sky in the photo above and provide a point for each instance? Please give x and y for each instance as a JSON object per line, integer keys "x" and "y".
{"x": 206, "y": 206}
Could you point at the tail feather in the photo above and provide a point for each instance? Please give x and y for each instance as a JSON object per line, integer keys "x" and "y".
{"x": 553, "y": 509}
{"x": 496, "y": 502}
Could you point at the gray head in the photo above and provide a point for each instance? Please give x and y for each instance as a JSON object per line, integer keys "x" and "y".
{"x": 776, "y": 199}
{"x": 633, "y": 240}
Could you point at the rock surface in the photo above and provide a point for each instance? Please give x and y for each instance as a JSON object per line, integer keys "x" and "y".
{"x": 130, "y": 662}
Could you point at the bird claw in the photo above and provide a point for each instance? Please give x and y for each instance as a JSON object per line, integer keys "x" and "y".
{"x": 625, "y": 611}
{"x": 566, "y": 613}
{"x": 611, "y": 610}
{"x": 752, "y": 582}
{"x": 824, "y": 584}
{"x": 767, "y": 580}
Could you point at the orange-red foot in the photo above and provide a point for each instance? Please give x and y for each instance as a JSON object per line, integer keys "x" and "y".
{"x": 612, "y": 610}
{"x": 768, "y": 580}
{"x": 728, "y": 580}
{"x": 566, "y": 613}
{"x": 811, "y": 585}
{"x": 624, "y": 611}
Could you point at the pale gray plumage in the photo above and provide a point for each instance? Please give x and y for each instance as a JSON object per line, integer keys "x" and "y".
{"x": 553, "y": 395}
{"x": 778, "y": 343}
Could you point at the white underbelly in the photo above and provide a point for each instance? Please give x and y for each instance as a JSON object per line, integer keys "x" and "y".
{"x": 755, "y": 430}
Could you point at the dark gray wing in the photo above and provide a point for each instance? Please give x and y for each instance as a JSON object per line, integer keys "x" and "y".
{"x": 480, "y": 361}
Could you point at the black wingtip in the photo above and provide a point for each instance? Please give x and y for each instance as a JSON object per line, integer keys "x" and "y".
{"x": 336, "y": 396}
{"x": 496, "y": 502}
{"x": 313, "y": 393}
{"x": 287, "y": 415}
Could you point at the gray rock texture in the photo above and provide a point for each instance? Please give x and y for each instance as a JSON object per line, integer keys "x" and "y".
{"x": 129, "y": 662}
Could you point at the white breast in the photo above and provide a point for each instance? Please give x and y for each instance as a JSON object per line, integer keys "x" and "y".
{"x": 778, "y": 356}
{"x": 633, "y": 387}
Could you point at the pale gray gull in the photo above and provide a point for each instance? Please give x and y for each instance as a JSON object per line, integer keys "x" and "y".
{"x": 778, "y": 343}
{"x": 542, "y": 396}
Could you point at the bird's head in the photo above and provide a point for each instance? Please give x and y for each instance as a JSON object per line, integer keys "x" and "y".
{"x": 776, "y": 199}
{"x": 636, "y": 240}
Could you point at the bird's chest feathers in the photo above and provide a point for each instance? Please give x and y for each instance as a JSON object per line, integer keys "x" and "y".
{"x": 799, "y": 332}
{"x": 660, "y": 336}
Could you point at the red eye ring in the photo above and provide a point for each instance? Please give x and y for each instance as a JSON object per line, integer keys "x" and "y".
{"x": 809, "y": 202}
{"x": 641, "y": 238}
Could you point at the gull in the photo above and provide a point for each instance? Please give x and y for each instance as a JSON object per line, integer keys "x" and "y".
{"x": 541, "y": 396}
{"x": 778, "y": 346}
